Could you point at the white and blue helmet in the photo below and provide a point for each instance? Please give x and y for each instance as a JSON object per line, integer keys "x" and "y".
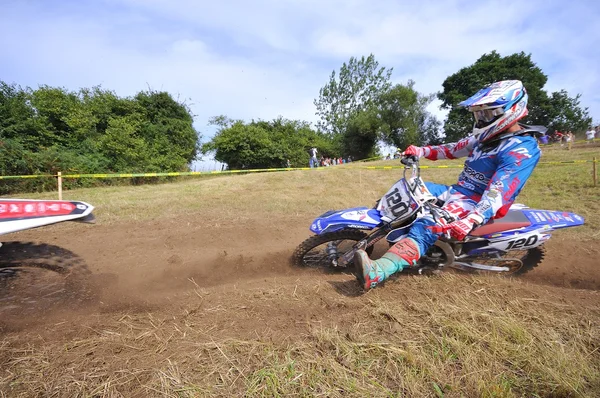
{"x": 496, "y": 108}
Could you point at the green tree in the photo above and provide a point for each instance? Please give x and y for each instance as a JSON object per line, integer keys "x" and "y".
{"x": 168, "y": 129}
{"x": 493, "y": 67}
{"x": 359, "y": 107}
{"x": 123, "y": 146}
{"x": 565, "y": 113}
{"x": 265, "y": 144}
{"x": 16, "y": 115}
{"x": 362, "y": 134}
{"x": 357, "y": 87}
{"x": 51, "y": 129}
{"x": 55, "y": 108}
{"x": 404, "y": 117}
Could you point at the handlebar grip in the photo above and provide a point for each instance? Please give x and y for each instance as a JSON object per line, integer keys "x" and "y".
{"x": 409, "y": 160}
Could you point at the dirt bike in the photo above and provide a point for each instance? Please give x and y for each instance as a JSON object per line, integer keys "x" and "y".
{"x": 20, "y": 214}
{"x": 512, "y": 244}
{"x": 32, "y": 261}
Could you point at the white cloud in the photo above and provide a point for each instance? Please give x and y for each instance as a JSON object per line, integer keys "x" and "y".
{"x": 267, "y": 58}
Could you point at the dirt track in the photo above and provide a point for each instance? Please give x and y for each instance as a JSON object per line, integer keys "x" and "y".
{"x": 149, "y": 266}
{"x": 162, "y": 290}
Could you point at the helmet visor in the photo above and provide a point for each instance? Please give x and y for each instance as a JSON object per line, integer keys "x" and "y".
{"x": 484, "y": 117}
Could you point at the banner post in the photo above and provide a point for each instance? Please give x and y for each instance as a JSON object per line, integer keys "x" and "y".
{"x": 594, "y": 172}
{"x": 59, "y": 185}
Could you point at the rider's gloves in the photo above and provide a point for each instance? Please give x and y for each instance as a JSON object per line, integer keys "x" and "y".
{"x": 414, "y": 151}
{"x": 461, "y": 228}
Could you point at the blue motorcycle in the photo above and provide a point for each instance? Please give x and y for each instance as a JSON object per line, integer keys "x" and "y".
{"x": 511, "y": 245}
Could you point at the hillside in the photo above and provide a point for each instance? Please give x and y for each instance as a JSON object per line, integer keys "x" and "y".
{"x": 189, "y": 293}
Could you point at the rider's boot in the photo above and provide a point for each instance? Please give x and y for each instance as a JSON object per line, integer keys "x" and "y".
{"x": 371, "y": 273}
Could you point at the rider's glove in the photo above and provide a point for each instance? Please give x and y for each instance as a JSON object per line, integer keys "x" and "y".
{"x": 461, "y": 228}
{"x": 414, "y": 151}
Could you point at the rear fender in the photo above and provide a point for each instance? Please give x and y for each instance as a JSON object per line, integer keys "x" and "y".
{"x": 543, "y": 222}
{"x": 553, "y": 219}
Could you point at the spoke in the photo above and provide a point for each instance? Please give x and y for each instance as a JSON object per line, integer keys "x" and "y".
{"x": 318, "y": 255}
{"x": 505, "y": 260}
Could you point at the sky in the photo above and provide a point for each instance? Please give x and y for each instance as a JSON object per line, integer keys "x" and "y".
{"x": 262, "y": 59}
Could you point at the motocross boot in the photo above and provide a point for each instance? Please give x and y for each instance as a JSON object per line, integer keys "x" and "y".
{"x": 371, "y": 273}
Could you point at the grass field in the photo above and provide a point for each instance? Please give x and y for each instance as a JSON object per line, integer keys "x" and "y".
{"x": 168, "y": 326}
{"x": 566, "y": 187}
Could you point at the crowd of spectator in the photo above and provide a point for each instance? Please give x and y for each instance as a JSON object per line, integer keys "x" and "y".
{"x": 568, "y": 138}
{"x": 327, "y": 161}
{"x": 314, "y": 161}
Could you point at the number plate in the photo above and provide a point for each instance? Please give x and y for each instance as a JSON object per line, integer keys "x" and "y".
{"x": 397, "y": 202}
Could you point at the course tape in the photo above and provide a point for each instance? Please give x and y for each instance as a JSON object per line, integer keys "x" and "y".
{"x": 196, "y": 173}
{"x": 462, "y": 166}
{"x": 170, "y": 174}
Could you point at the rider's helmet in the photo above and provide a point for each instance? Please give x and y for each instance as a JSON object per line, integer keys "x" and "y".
{"x": 496, "y": 108}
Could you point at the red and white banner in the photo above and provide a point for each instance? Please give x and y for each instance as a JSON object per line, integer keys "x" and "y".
{"x": 34, "y": 208}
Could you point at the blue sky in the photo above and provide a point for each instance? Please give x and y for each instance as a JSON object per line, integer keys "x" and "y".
{"x": 265, "y": 58}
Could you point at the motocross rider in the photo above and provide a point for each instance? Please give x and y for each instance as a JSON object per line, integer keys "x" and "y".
{"x": 501, "y": 155}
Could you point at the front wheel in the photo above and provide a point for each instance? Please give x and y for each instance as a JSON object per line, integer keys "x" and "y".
{"x": 323, "y": 251}
{"x": 35, "y": 277}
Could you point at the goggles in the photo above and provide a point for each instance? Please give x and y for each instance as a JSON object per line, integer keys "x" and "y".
{"x": 487, "y": 115}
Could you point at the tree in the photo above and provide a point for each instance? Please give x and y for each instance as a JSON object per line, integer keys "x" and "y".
{"x": 265, "y": 144}
{"x": 362, "y": 134}
{"x": 93, "y": 130}
{"x": 565, "y": 113}
{"x": 16, "y": 115}
{"x": 493, "y": 67}
{"x": 488, "y": 69}
{"x": 359, "y": 84}
{"x": 360, "y": 107}
{"x": 168, "y": 129}
{"x": 404, "y": 117}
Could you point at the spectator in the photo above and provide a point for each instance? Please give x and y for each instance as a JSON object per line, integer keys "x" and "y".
{"x": 569, "y": 139}
{"x": 559, "y": 137}
{"x": 543, "y": 140}
{"x": 313, "y": 162}
{"x": 590, "y": 135}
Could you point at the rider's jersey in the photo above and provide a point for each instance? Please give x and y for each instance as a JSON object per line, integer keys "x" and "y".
{"x": 491, "y": 176}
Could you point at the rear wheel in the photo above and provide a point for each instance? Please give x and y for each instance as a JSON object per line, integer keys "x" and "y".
{"x": 518, "y": 262}
{"x": 323, "y": 251}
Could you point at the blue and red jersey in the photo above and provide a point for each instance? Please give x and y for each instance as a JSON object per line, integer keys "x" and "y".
{"x": 494, "y": 176}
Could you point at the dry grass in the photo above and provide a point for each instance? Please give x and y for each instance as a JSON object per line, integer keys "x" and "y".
{"x": 443, "y": 336}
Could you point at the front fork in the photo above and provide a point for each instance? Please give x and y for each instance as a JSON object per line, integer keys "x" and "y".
{"x": 364, "y": 244}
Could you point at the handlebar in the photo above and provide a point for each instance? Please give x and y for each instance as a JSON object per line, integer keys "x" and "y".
{"x": 411, "y": 162}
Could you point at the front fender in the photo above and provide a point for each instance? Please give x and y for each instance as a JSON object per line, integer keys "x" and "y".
{"x": 354, "y": 218}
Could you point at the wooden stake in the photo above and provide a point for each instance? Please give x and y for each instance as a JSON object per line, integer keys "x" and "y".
{"x": 595, "y": 171}
{"x": 60, "y": 185}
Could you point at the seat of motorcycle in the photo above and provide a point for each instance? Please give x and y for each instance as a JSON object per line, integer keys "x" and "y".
{"x": 512, "y": 220}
